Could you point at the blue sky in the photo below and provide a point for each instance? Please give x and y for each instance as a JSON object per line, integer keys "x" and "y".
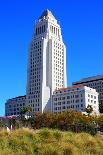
{"x": 82, "y": 29}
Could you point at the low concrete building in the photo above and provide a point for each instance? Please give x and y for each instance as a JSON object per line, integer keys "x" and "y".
{"x": 95, "y": 82}
{"x": 13, "y": 106}
{"x": 76, "y": 98}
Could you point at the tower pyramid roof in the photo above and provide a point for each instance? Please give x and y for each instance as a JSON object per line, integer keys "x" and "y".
{"x": 46, "y": 13}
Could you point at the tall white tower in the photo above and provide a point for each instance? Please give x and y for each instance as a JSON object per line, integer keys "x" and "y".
{"x": 46, "y": 63}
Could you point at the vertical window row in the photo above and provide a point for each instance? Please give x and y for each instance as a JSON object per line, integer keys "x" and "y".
{"x": 40, "y": 30}
{"x": 54, "y": 30}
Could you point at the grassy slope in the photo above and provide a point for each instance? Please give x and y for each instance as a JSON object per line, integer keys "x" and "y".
{"x": 49, "y": 142}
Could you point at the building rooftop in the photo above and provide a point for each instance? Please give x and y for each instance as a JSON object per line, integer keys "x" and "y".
{"x": 74, "y": 88}
{"x": 46, "y": 13}
{"x": 71, "y": 87}
{"x": 93, "y": 78}
{"x": 17, "y": 97}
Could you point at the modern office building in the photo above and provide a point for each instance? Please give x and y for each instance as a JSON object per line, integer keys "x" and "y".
{"x": 75, "y": 98}
{"x": 13, "y": 106}
{"x": 46, "y": 63}
{"x": 95, "y": 82}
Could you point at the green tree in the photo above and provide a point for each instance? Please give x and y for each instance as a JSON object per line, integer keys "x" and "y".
{"x": 25, "y": 121}
{"x": 29, "y": 110}
{"x": 25, "y": 110}
{"x": 89, "y": 109}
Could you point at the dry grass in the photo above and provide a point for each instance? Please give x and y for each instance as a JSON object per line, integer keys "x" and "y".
{"x": 49, "y": 142}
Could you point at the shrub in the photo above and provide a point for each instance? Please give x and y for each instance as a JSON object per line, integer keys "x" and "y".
{"x": 49, "y": 142}
{"x": 57, "y": 135}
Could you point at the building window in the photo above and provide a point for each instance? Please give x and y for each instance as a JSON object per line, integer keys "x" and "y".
{"x": 40, "y": 30}
{"x": 63, "y": 102}
{"x": 94, "y": 97}
{"x": 55, "y": 99}
{"x": 76, "y": 96}
{"x": 36, "y": 31}
{"x": 63, "y": 107}
{"x": 44, "y": 28}
{"x": 68, "y": 102}
{"x": 63, "y": 98}
{"x": 68, "y": 97}
{"x": 81, "y": 105}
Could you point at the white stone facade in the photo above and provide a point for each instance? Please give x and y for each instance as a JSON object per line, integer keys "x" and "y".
{"x": 46, "y": 63}
{"x": 76, "y": 98}
{"x": 13, "y": 106}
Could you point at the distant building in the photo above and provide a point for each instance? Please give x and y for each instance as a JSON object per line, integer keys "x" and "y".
{"x": 75, "y": 98}
{"x": 13, "y": 106}
{"x": 95, "y": 82}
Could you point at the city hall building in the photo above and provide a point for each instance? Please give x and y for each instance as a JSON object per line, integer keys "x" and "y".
{"x": 46, "y": 63}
